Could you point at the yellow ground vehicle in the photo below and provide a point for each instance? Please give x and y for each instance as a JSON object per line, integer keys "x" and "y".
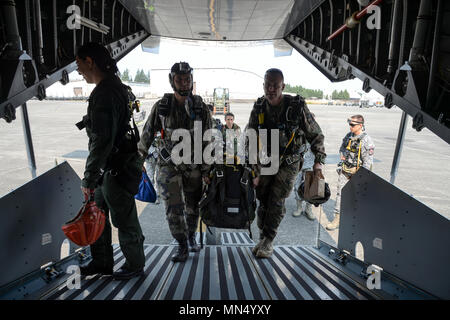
{"x": 221, "y": 100}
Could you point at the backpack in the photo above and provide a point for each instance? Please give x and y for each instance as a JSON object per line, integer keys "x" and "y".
{"x": 229, "y": 201}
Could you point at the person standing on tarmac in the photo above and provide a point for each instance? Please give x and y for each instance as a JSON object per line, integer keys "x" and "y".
{"x": 296, "y": 126}
{"x": 113, "y": 166}
{"x": 230, "y": 125}
{"x": 356, "y": 150}
{"x": 181, "y": 185}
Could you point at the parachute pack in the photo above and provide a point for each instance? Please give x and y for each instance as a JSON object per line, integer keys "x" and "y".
{"x": 229, "y": 201}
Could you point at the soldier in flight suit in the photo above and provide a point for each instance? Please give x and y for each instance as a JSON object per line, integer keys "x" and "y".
{"x": 113, "y": 166}
{"x": 296, "y": 126}
{"x": 356, "y": 150}
{"x": 181, "y": 185}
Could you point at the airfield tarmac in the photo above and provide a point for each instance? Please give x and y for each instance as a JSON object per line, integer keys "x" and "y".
{"x": 424, "y": 169}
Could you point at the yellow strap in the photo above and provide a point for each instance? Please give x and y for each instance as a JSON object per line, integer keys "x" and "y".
{"x": 349, "y": 144}
{"x": 359, "y": 155}
{"x": 290, "y": 140}
{"x": 261, "y": 118}
{"x": 292, "y": 137}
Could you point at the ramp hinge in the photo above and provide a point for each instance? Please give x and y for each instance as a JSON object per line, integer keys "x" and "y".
{"x": 342, "y": 257}
{"x": 51, "y": 273}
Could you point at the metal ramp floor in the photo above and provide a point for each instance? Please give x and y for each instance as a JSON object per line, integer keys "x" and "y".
{"x": 223, "y": 272}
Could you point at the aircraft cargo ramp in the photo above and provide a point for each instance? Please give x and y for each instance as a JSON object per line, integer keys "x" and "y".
{"x": 224, "y": 273}
{"x": 228, "y": 270}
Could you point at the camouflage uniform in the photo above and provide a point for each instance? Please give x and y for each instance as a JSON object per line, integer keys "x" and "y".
{"x": 181, "y": 186}
{"x": 106, "y": 116}
{"x": 152, "y": 167}
{"x": 273, "y": 190}
{"x": 349, "y": 149}
{"x": 308, "y": 163}
{"x": 232, "y": 144}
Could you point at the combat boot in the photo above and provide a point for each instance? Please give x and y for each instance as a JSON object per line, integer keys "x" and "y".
{"x": 298, "y": 212}
{"x": 266, "y": 249}
{"x": 258, "y": 245}
{"x": 193, "y": 243}
{"x": 92, "y": 268}
{"x": 335, "y": 223}
{"x": 309, "y": 213}
{"x": 182, "y": 252}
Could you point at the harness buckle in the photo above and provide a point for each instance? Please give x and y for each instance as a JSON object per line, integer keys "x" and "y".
{"x": 244, "y": 181}
{"x": 289, "y": 160}
{"x": 287, "y": 114}
{"x": 164, "y": 101}
{"x": 219, "y": 174}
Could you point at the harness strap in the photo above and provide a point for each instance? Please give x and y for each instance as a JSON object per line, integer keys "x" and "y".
{"x": 359, "y": 154}
{"x": 244, "y": 186}
{"x": 359, "y": 148}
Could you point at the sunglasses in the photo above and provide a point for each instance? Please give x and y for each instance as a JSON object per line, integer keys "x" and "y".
{"x": 351, "y": 123}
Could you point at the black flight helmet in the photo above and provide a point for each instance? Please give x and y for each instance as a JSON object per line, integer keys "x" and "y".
{"x": 316, "y": 202}
{"x": 181, "y": 68}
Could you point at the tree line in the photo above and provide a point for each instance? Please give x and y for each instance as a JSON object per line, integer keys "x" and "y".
{"x": 313, "y": 93}
{"x": 140, "y": 76}
{"x": 304, "y": 92}
{"x": 343, "y": 94}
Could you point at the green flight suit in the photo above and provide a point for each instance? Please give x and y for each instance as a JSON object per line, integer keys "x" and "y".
{"x": 106, "y": 120}
{"x": 273, "y": 190}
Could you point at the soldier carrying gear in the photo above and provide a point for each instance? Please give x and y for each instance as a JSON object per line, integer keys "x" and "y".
{"x": 296, "y": 126}
{"x": 356, "y": 151}
{"x": 180, "y": 184}
{"x": 181, "y": 68}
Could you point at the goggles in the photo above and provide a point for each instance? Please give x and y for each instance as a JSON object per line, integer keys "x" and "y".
{"x": 353, "y": 123}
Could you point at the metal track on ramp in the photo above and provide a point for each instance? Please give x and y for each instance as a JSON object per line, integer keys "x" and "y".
{"x": 222, "y": 273}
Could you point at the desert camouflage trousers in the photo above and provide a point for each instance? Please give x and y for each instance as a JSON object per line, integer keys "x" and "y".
{"x": 272, "y": 192}
{"x": 342, "y": 181}
{"x": 152, "y": 168}
{"x": 181, "y": 193}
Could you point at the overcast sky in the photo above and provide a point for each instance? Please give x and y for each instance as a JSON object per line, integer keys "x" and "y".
{"x": 253, "y": 57}
{"x": 249, "y": 56}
